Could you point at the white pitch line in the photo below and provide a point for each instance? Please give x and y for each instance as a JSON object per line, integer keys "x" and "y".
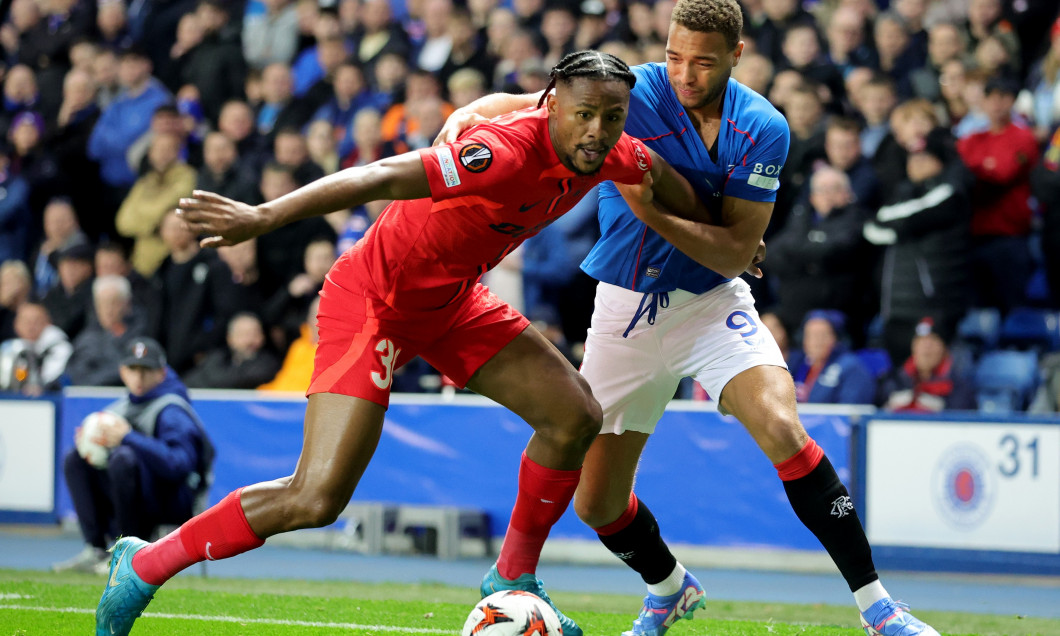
{"x": 237, "y": 619}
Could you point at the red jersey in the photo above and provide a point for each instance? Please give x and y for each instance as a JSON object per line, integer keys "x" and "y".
{"x": 495, "y": 187}
{"x": 1002, "y": 164}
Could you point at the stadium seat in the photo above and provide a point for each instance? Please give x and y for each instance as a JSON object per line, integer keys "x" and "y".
{"x": 1037, "y": 329}
{"x": 980, "y": 328}
{"x": 877, "y": 360}
{"x": 1006, "y": 380}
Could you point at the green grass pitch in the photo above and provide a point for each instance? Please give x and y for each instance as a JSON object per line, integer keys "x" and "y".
{"x": 45, "y": 604}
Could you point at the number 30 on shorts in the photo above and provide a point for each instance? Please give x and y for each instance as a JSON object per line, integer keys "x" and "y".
{"x": 388, "y": 354}
{"x": 742, "y": 321}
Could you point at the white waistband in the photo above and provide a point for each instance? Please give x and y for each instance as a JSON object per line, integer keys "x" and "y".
{"x": 624, "y": 296}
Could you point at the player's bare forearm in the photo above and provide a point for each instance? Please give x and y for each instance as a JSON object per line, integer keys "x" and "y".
{"x": 483, "y": 109}
{"x": 227, "y": 222}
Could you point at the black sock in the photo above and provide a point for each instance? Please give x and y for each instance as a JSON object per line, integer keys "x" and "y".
{"x": 640, "y": 546}
{"x": 823, "y": 505}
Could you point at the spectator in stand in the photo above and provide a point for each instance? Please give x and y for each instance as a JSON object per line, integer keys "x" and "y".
{"x": 842, "y": 148}
{"x": 322, "y": 148}
{"x": 991, "y": 57}
{"x": 802, "y": 52}
{"x": 468, "y": 51}
{"x": 874, "y": 101}
{"x": 112, "y": 259}
{"x": 216, "y": 66}
{"x": 297, "y": 368}
{"x": 46, "y": 47}
{"x": 22, "y": 17}
{"x": 911, "y": 122}
{"x": 945, "y": 44}
{"x": 20, "y": 94}
{"x": 15, "y": 215}
{"x": 1001, "y": 158}
{"x": 316, "y": 27}
{"x": 61, "y": 230}
{"x": 399, "y": 121}
{"x": 819, "y": 259}
{"x": 170, "y": 70}
{"x": 271, "y": 37}
{"x": 16, "y": 287}
{"x": 32, "y": 161}
{"x": 847, "y": 46}
{"x": 166, "y": 120}
{"x": 112, "y": 24}
{"x": 825, "y": 371}
{"x": 350, "y": 94}
{"x": 237, "y": 123}
{"x": 780, "y": 15}
{"x": 429, "y": 118}
{"x": 806, "y": 121}
{"x": 105, "y": 70}
{"x": 1043, "y": 84}
{"x": 378, "y": 35}
{"x": 893, "y": 46}
{"x": 1046, "y": 399}
{"x": 279, "y": 108}
{"x": 558, "y": 25}
{"x": 755, "y": 72}
{"x": 249, "y": 292}
{"x": 160, "y": 462}
{"x": 197, "y": 296}
{"x": 122, "y": 123}
{"x": 929, "y": 381}
{"x": 285, "y": 310}
{"x": 775, "y": 325}
{"x": 153, "y": 195}
{"x": 913, "y": 13}
{"x": 925, "y": 233}
{"x": 986, "y": 19}
{"x": 368, "y": 144}
{"x": 220, "y": 170}
{"x": 432, "y": 53}
{"x": 244, "y": 363}
{"x": 1045, "y": 186}
{"x": 98, "y": 350}
{"x": 33, "y": 363}
{"x": 68, "y": 141}
{"x": 68, "y": 302}
{"x": 291, "y": 151}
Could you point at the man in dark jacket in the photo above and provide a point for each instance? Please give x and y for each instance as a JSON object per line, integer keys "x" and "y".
{"x": 926, "y": 232}
{"x": 102, "y": 345}
{"x": 243, "y": 364}
{"x": 819, "y": 258}
{"x": 930, "y": 380}
{"x": 158, "y": 464}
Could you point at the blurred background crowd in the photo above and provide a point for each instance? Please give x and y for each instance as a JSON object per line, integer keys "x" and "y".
{"x": 914, "y": 251}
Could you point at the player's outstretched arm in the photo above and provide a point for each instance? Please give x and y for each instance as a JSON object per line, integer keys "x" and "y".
{"x": 483, "y": 109}
{"x": 227, "y": 222}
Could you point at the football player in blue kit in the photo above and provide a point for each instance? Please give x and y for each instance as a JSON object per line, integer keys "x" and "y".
{"x": 670, "y": 304}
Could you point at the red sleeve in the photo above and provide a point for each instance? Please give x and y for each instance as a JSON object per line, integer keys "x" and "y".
{"x": 472, "y": 165}
{"x": 627, "y": 162}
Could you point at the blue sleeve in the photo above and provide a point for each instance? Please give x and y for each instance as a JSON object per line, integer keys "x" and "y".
{"x": 757, "y": 177}
{"x": 14, "y": 208}
{"x": 173, "y": 453}
{"x": 103, "y": 134}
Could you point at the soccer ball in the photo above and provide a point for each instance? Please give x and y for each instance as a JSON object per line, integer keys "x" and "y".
{"x": 512, "y": 613}
{"x": 93, "y": 453}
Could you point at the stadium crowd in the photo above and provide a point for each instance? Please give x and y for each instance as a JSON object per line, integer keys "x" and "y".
{"x": 922, "y": 186}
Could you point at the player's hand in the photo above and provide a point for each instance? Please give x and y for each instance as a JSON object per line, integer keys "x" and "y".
{"x": 222, "y": 220}
{"x": 457, "y": 123}
{"x": 638, "y": 197}
{"x": 758, "y": 258}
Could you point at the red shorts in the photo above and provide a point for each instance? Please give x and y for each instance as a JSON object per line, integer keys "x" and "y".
{"x": 363, "y": 340}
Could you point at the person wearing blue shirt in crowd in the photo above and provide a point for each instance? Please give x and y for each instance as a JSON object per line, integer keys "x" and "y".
{"x": 825, "y": 370}
{"x": 15, "y": 216}
{"x": 159, "y": 464}
{"x": 670, "y": 304}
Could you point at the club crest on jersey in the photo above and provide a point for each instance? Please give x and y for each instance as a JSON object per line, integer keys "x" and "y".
{"x": 476, "y": 157}
{"x": 642, "y": 159}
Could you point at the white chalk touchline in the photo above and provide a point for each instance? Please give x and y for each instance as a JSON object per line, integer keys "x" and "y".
{"x": 237, "y": 619}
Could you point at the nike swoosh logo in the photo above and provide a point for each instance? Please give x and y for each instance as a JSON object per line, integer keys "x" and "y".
{"x": 524, "y": 207}
{"x": 208, "y": 556}
{"x": 114, "y": 569}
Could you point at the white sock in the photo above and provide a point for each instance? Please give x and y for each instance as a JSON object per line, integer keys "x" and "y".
{"x": 867, "y": 595}
{"x": 670, "y": 585}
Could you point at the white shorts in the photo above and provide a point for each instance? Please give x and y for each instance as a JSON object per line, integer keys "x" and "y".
{"x": 711, "y": 337}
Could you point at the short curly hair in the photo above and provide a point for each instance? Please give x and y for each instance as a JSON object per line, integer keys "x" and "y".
{"x": 711, "y": 16}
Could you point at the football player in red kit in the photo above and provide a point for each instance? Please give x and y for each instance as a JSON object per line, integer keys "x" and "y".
{"x": 410, "y": 287}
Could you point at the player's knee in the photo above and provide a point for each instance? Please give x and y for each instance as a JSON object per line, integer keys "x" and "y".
{"x": 582, "y": 422}
{"x": 597, "y": 512}
{"x": 785, "y": 435}
{"x": 318, "y": 509}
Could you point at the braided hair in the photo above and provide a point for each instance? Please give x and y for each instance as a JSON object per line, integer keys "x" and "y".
{"x": 589, "y": 64}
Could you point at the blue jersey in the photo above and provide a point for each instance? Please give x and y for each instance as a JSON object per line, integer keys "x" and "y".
{"x": 751, "y": 148}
